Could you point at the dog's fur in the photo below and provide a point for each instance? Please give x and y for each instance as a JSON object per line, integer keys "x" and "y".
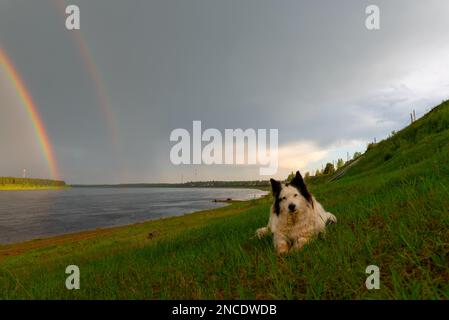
{"x": 296, "y": 217}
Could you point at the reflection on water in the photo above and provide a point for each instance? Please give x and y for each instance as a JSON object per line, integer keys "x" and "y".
{"x": 26, "y": 215}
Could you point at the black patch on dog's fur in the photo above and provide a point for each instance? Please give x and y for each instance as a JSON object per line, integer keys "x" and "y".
{"x": 299, "y": 183}
{"x": 276, "y": 188}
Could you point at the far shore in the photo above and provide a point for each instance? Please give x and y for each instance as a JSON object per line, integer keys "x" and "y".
{"x": 261, "y": 185}
{"x": 24, "y": 187}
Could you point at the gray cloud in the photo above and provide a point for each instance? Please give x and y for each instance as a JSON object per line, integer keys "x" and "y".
{"x": 309, "y": 68}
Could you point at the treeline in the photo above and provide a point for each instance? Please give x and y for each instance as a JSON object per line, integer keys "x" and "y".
{"x": 31, "y": 182}
{"x": 228, "y": 184}
{"x": 330, "y": 167}
{"x": 192, "y": 184}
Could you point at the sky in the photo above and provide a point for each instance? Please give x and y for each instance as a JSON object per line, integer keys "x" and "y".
{"x": 111, "y": 93}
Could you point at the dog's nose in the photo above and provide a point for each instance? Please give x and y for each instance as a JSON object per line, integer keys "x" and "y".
{"x": 292, "y": 207}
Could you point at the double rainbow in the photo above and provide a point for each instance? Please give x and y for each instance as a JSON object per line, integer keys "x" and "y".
{"x": 102, "y": 96}
{"x": 32, "y": 111}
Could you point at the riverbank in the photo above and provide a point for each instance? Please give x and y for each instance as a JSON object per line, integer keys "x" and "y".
{"x": 129, "y": 234}
{"x": 15, "y": 187}
{"x": 27, "y": 215}
{"x": 38, "y": 264}
{"x": 14, "y": 183}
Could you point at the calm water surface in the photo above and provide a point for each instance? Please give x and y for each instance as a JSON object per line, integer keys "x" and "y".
{"x": 26, "y": 215}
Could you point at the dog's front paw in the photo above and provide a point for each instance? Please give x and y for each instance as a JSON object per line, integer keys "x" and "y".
{"x": 262, "y": 232}
{"x": 282, "y": 248}
{"x": 331, "y": 219}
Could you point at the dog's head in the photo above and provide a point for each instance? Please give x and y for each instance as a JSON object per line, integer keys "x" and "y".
{"x": 292, "y": 196}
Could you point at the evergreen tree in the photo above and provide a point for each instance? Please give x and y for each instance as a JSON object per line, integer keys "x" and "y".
{"x": 329, "y": 168}
{"x": 356, "y": 155}
{"x": 340, "y": 163}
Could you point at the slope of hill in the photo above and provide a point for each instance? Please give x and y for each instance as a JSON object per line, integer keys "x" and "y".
{"x": 417, "y": 143}
{"x": 393, "y": 212}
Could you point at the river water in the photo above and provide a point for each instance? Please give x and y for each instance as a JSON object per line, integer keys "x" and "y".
{"x": 26, "y": 215}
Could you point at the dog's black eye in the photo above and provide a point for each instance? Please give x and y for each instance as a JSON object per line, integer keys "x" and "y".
{"x": 284, "y": 198}
{"x": 296, "y": 194}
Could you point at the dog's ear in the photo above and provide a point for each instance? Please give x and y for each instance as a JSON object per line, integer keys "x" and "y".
{"x": 299, "y": 183}
{"x": 275, "y": 186}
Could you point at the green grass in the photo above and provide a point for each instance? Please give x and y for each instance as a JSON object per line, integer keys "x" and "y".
{"x": 393, "y": 212}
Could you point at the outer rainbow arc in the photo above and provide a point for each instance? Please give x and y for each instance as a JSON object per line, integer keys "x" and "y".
{"x": 102, "y": 97}
{"x": 32, "y": 111}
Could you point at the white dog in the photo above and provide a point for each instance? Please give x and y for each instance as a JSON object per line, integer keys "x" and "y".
{"x": 296, "y": 217}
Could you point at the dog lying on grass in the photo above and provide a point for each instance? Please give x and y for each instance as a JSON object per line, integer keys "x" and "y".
{"x": 296, "y": 217}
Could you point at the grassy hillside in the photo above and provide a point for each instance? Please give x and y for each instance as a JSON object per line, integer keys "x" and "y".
{"x": 12, "y": 183}
{"x": 393, "y": 211}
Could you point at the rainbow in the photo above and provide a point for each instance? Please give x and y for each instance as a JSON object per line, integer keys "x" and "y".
{"x": 32, "y": 111}
{"x": 102, "y": 97}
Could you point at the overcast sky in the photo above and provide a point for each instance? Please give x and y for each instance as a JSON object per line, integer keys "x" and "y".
{"x": 308, "y": 68}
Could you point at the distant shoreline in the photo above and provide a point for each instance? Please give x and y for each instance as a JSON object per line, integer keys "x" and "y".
{"x": 20, "y": 184}
{"x": 261, "y": 185}
{"x": 14, "y": 187}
